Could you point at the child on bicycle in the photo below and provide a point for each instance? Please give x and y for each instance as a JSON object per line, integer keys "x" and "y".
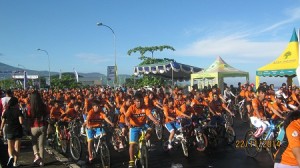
{"x": 135, "y": 119}
{"x": 94, "y": 123}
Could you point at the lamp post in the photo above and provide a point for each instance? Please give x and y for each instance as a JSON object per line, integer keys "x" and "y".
{"x": 101, "y": 24}
{"x": 48, "y": 65}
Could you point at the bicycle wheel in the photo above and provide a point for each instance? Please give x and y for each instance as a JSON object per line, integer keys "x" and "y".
{"x": 212, "y": 137}
{"x": 75, "y": 148}
{"x": 244, "y": 115}
{"x": 229, "y": 119}
{"x": 159, "y": 131}
{"x": 184, "y": 148}
{"x": 105, "y": 155}
{"x": 144, "y": 156}
{"x": 251, "y": 143}
{"x": 201, "y": 141}
{"x": 230, "y": 135}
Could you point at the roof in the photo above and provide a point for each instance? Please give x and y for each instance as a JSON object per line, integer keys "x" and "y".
{"x": 164, "y": 69}
{"x": 286, "y": 64}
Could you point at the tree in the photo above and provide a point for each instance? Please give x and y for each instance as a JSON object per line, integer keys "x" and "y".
{"x": 152, "y": 49}
{"x": 68, "y": 80}
{"x": 149, "y": 80}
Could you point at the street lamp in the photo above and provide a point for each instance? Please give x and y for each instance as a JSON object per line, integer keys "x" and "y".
{"x": 48, "y": 65}
{"x": 101, "y": 24}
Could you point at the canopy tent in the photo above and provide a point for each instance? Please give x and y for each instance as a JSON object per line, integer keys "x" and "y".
{"x": 168, "y": 69}
{"x": 285, "y": 65}
{"x": 218, "y": 71}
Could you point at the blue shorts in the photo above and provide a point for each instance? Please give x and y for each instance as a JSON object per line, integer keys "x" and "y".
{"x": 122, "y": 125}
{"x": 92, "y": 132}
{"x": 117, "y": 111}
{"x": 173, "y": 125}
{"x": 134, "y": 133}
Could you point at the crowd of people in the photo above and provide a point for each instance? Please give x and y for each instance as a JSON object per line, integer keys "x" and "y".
{"x": 132, "y": 111}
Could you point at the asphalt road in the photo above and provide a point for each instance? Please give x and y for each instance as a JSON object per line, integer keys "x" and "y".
{"x": 224, "y": 156}
{"x": 26, "y": 156}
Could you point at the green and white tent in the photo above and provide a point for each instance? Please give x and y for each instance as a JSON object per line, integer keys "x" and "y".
{"x": 216, "y": 73}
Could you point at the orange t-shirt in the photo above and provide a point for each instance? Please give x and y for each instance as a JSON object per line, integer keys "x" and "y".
{"x": 137, "y": 116}
{"x": 257, "y": 104}
{"x": 123, "y": 110}
{"x": 70, "y": 114}
{"x": 56, "y": 112}
{"x": 170, "y": 112}
{"x": 285, "y": 155}
{"x": 95, "y": 119}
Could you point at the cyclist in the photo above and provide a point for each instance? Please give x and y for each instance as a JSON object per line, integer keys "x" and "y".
{"x": 171, "y": 114}
{"x": 55, "y": 114}
{"x": 293, "y": 101}
{"x": 127, "y": 103}
{"x": 228, "y": 95}
{"x": 258, "y": 118}
{"x": 213, "y": 91}
{"x": 135, "y": 119}
{"x": 217, "y": 107}
{"x": 94, "y": 121}
{"x": 71, "y": 113}
{"x": 249, "y": 95}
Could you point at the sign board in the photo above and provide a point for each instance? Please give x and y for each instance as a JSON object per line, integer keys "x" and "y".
{"x": 111, "y": 73}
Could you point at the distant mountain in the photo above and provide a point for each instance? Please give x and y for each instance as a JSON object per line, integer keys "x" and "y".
{"x": 7, "y": 70}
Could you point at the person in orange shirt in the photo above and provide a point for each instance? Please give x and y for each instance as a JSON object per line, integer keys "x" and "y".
{"x": 258, "y": 119}
{"x": 214, "y": 90}
{"x": 288, "y": 154}
{"x": 127, "y": 103}
{"x": 217, "y": 108}
{"x": 171, "y": 114}
{"x": 198, "y": 103}
{"x": 94, "y": 124}
{"x": 293, "y": 101}
{"x": 70, "y": 103}
{"x": 135, "y": 119}
{"x": 271, "y": 112}
{"x": 71, "y": 113}
{"x": 249, "y": 95}
{"x": 56, "y": 111}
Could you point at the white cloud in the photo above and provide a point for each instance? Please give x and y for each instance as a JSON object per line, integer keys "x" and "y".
{"x": 292, "y": 16}
{"x": 235, "y": 46}
{"x": 92, "y": 58}
{"x": 239, "y": 42}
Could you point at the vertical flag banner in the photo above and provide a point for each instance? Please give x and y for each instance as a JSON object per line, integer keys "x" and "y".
{"x": 111, "y": 73}
{"x": 25, "y": 80}
{"x": 76, "y": 75}
{"x": 60, "y": 74}
{"x": 116, "y": 74}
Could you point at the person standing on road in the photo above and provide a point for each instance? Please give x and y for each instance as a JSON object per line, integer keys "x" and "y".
{"x": 14, "y": 120}
{"x": 4, "y": 102}
{"x": 288, "y": 154}
{"x": 37, "y": 113}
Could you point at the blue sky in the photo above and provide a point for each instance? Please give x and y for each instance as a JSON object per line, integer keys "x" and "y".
{"x": 246, "y": 34}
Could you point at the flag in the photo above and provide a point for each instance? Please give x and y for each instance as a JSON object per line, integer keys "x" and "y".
{"x": 25, "y": 80}
{"x": 116, "y": 74}
{"x": 76, "y": 75}
{"x": 60, "y": 74}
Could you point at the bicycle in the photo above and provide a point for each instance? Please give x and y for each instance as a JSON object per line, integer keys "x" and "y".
{"x": 75, "y": 145}
{"x": 100, "y": 149}
{"x": 158, "y": 128}
{"x": 141, "y": 153}
{"x": 243, "y": 111}
{"x": 267, "y": 141}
